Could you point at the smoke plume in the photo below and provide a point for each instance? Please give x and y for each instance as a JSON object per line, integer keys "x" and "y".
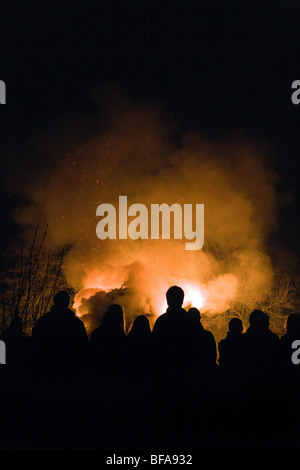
{"x": 136, "y": 154}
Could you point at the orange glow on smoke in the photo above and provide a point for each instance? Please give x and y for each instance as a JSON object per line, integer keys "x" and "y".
{"x": 194, "y": 296}
{"x": 205, "y": 297}
{"x": 136, "y": 155}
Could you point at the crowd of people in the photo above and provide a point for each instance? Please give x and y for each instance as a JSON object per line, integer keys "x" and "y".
{"x": 160, "y": 378}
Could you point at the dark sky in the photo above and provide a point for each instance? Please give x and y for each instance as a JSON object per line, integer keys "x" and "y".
{"x": 219, "y": 67}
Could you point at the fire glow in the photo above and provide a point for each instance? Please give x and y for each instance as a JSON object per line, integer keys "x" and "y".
{"x": 194, "y": 297}
{"x": 138, "y": 294}
{"x": 135, "y": 155}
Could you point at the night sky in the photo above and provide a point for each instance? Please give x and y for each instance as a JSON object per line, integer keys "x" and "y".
{"x": 223, "y": 68}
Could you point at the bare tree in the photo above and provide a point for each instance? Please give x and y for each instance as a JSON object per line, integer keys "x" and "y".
{"x": 30, "y": 274}
{"x": 278, "y": 299}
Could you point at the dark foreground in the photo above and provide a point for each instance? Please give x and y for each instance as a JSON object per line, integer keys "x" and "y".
{"x": 117, "y": 413}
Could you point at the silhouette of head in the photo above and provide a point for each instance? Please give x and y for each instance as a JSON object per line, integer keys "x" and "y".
{"x": 175, "y": 296}
{"x": 114, "y": 317}
{"x": 62, "y": 299}
{"x": 140, "y": 326}
{"x": 194, "y": 313}
{"x": 293, "y": 324}
{"x": 259, "y": 320}
{"x": 235, "y": 325}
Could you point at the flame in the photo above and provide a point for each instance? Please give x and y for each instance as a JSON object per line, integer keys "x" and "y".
{"x": 194, "y": 296}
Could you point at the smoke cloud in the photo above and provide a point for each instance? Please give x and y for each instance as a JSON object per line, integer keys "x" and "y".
{"x": 136, "y": 155}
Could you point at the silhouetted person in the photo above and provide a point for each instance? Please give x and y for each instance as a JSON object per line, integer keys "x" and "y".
{"x": 231, "y": 348}
{"x": 260, "y": 346}
{"x": 107, "y": 341}
{"x": 59, "y": 337}
{"x": 205, "y": 344}
{"x": 174, "y": 339}
{"x": 138, "y": 362}
{"x": 138, "y": 345}
{"x": 139, "y": 338}
{"x": 18, "y": 346}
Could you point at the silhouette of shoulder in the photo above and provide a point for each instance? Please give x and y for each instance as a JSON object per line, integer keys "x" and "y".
{"x": 55, "y": 318}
